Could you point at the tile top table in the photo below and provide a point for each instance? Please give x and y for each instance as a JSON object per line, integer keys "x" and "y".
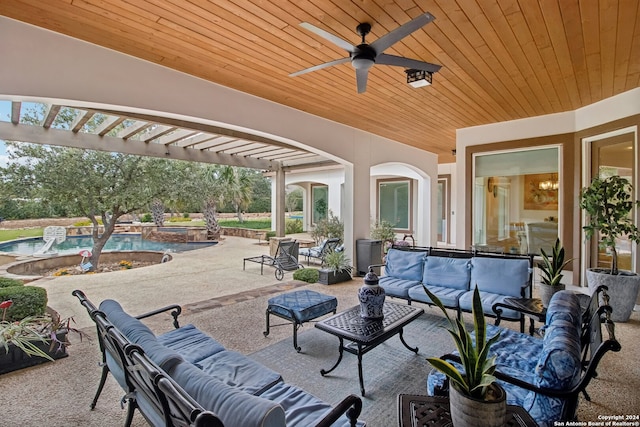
{"x": 431, "y": 411}
{"x": 364, "y": 335}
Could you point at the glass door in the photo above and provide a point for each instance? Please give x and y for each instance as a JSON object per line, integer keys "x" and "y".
{"x": 613, "y": 156}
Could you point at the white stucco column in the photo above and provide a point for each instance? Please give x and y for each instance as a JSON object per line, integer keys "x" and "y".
{"x": 279, "y": 202}
{"x": 356, "y": 215}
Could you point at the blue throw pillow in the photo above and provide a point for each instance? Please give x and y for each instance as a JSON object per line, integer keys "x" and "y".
{"x": 405, "y": 265}
{"x": 448, "y": 272}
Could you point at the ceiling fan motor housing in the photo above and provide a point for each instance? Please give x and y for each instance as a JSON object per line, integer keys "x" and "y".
{"x": 363, "y": 57}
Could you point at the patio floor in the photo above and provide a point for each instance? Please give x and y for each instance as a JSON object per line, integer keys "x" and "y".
{"x": 227, "y": 303}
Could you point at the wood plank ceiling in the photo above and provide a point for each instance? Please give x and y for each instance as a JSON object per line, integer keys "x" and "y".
{"x": 501, "y": 59}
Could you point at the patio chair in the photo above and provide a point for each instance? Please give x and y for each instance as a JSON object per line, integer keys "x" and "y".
{"x": 285, "y": 259}
{"x": 319, "y": 252}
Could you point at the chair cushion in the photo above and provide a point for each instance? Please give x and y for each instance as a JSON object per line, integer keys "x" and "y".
{"x": 237, "y": 370}
{"x": 488, "y": 300}
{"x": 398, "y": 288}
{"x": 233, "y": 406}
{"x": 138, "y": 333}
{"x": 191, "y": 343}
{"x": 447, "y": 272}
{"x": 406, "y": 265}
{"x": 502, "y": 276}
{"x": 448, "y": 296}
{"x": 301, "y": 408}
{"x": 306, "y": 305}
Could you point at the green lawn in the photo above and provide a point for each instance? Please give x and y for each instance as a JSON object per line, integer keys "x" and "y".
{"x": 19, "y": 233}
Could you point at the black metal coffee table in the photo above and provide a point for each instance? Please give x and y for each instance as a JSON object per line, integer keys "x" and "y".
{"x": 365, "y": 335}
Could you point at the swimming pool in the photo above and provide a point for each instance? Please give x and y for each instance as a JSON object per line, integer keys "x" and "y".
{"x": 117, "y": 242}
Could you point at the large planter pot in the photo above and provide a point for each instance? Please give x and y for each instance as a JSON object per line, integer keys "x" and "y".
{"x": 15, "y": 358}
{"x": 467, "y": 411}
{"x": 623, "y": 290}
{"x": 328, "y": 277}
{"x": 546, "y": 292}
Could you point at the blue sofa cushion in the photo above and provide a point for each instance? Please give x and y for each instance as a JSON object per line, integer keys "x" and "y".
{"x": 191, "y": 343}
{"x": 131, "y": 327}
{"x": 138, "y": 333}
{"x": 448, "y": 296}
{"x": 233, "y": 406}
{"x": 447, "y": 272}
{"x": 301, "y": 408}
{"x": 398, "y": 288}
{"x": 306, "y": 305}
{"x": 499, "y": 275}
{"x": 565, "y": 305}
{"x": 488, "y": 300}
{"x": 237, "y": 370}
{"x": 406, "y": 265}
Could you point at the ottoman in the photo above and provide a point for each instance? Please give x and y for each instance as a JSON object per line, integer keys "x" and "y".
{"x": 299, "y": 307}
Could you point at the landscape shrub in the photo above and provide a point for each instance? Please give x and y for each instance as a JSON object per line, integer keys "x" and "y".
{"x": 6, "y": 282}
{"x": 27, "y": 301}
{"x": 309, "y": 275}
{"x": 86, "y": 223}
{"x": 270, "y": 234}
{"x": 146, "y": 217}
{"x": 292, "y": 226}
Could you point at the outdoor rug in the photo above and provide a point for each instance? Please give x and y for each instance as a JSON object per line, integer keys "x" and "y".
{"x": 389, "y": 369}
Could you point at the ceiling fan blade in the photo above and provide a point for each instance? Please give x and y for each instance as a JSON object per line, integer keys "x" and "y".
{"x": 362, "y": 75}
{"x": 401, "y": 32}
{"x": 328, "y": 36}
{"x": 321, "y": 66}
{"x": 399, "y": 61}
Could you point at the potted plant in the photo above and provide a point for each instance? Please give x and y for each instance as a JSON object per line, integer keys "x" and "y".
{"x": 30, "y": 332}
{"x": 608, "y": 204}
{"x": 383, "y": 231}
{"x": 551, "y": 270}
{"x": 337, "y": 268}
{"x": 473, "y": 389}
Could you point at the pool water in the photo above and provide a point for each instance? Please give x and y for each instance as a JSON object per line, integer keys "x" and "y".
{"x": 117, "y": 242}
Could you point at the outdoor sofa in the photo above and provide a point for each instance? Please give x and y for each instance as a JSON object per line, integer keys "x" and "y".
{"x": 451, "y": 275}
{"x": 186, "y": 378}
{"x": 545, "y": 376}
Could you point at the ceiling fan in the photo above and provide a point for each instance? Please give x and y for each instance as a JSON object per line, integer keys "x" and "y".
{"x": 364, "y": 55}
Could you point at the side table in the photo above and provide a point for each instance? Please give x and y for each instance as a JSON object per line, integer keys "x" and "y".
{"x": 531, "y": 307}
{"x": 430, "y": 411}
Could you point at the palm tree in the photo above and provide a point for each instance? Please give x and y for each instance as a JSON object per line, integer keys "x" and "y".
{"x": 237, "y": 185}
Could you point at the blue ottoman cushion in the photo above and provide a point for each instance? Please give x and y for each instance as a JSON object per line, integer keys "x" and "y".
{"x": 306, "y": 305}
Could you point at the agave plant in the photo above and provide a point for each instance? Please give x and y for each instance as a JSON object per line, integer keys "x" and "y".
{"x": 552, "y": 266}
{"x": 474, "y": 354}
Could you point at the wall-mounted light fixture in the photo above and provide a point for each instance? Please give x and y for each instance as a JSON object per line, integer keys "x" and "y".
{"x": 419, "y": 78}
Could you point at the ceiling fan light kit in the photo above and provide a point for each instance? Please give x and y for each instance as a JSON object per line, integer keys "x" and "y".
{"x": 364, "y": 56}
{"x": 419, "y": 78}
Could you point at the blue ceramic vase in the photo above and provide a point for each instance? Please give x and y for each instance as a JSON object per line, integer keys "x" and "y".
{"x": 371, "y": 296}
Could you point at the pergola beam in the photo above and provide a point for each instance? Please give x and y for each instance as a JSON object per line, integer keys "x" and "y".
{"x": 64, "y": 138}
{"x": 15, "y": 112}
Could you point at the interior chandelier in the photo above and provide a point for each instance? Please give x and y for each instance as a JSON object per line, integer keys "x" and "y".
{"x": 550, "y": 184}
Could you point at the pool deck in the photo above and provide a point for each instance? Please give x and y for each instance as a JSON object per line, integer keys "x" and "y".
{"x": 192, "y": 278}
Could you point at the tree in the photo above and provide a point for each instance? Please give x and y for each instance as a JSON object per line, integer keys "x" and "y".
{"x": 236, "y": 188}
{"x": 95, "y": 184}
{"x": 293, "y": 200}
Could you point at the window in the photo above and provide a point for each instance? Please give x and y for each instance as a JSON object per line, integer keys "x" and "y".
{"x": 515, "y": 200}
{"x": 320, "y": 202}
{"x": 394, "y": 203}
{"x": 444, "y": 215}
